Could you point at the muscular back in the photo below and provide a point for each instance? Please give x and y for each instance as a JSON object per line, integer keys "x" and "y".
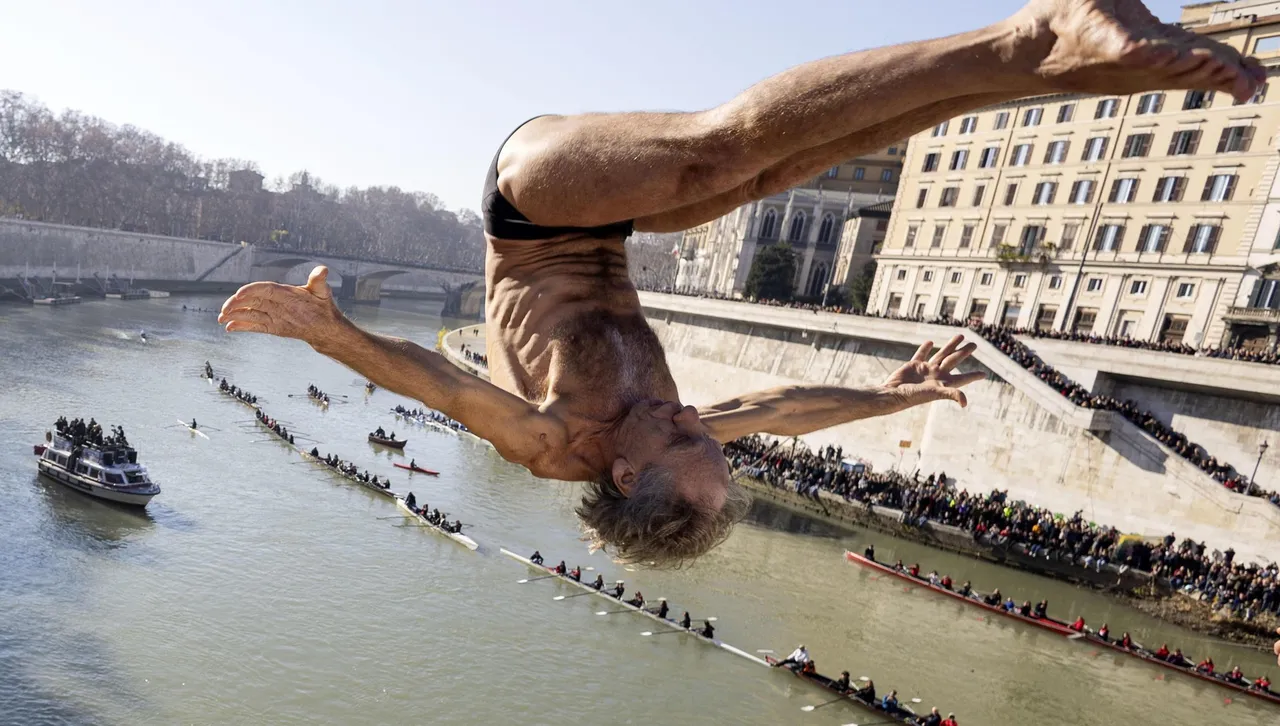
{"x": 564, "y": 327}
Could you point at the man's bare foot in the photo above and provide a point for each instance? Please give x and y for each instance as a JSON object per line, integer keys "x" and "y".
{"x": 1118, "y": 46}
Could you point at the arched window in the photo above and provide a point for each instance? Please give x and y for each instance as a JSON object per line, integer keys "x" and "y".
{"x": 825, "y": 232}
{"x": 768, "y": 225}
{"x": 818, "y": 279}
{"x": 796, "y": 233}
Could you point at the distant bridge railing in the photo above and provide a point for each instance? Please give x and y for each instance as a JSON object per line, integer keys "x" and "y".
{"x": 371, "y": 260}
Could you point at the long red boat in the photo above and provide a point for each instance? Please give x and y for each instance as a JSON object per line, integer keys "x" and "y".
{"x": 417, "y": 469}
{"x": 1061, "y": 628}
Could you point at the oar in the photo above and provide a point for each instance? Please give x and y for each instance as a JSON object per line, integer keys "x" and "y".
{"x": 873, "y": 723}
{"x": 650, "y": 633}
{"x": 806, "y": 709}
{"x": 402, "y": 516}
{"x": 613, "y": 612}
{"x": 533, "y": 579}
{"x": 558, "y": 598}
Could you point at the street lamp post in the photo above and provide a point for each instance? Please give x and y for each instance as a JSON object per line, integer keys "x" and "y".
{"x": 1261, "y": 450}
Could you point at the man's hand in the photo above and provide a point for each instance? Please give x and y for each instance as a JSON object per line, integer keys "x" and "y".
{"x": 924, "y": 379}
{"x": 305, "y": 313}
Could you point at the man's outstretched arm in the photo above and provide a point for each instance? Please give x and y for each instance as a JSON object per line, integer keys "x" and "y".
{"x": 517, "y": 429}
{"x": 797, "y": 410}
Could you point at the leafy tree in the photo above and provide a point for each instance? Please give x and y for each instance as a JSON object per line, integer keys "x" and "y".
{"x": 860, "y": 287}
{"x": 772, "y": 272}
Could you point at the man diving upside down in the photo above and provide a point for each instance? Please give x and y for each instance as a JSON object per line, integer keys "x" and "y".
{"x": 580, "y": 386}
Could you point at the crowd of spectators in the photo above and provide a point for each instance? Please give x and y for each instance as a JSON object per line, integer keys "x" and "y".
{"x": 1246, "y": 591}
{"x": 1004, "y": 339}
{"x": 473, "y": 357}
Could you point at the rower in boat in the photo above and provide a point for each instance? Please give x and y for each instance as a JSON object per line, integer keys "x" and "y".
{"x": 1163, "y": 653}
{"x": 933, "y": 719}
{"x": 946, "y": 582}
{"x": 686, "y": 622}
{"x": 663, "y": 608}
{"x": 899, "y": 566}
{"x": 870, "y": 552}
{"x": 315, "y": 452}
{"x": 798, "y": 657}
{"x": 413, "y": 464}
{"x": 809, "y": 669}
{"x": 561, "y": 569}
{"x": 1042, "y": 609}
{"x": 1236, "y": 676}
{"x": 637, "y": 601}
{"x": 1104, "y": 633}
{"x": 380, "y": 433}
{"x": 599, "y": 583}
{"x": 618, "y": 589}
{"x": 843, "y": 682}
{"x": 194, "y": 427}
{"x": 1262, "y": 684}
{"x": 1010, "y": 606}
{"x": 933, "y": 578}
{"x": 1078, "y": 625}
{"x": 966, "y": 589}
{"x": 890, "y": 703}
{"x": 708, "y": 630}
{"x": 1025, "y": 610}
{"x": 950, "y": 720}
{"x": 575, "y": 574}
{"x": 1126, "y": 642}
{"x": 410, "y": 501}
{"x": 993, "y": 599}
{"x": 914, "y": 570}
{"x": 1179, "y": 659}
{"x": 867, "y": 693}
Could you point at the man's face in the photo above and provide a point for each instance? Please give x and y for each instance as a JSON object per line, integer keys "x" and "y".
{"x": 672, "y": 436}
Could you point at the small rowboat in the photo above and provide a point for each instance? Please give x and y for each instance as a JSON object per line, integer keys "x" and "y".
{"x": 458, "y": 537}
{"x": 1065, "y": 630}
{"x": 389, "y": 443}
{"x": 417, "y": 469}
{"x": 198, "y": 432}
{"x": 639, "y": 611}
{"x": 905, "y": 714}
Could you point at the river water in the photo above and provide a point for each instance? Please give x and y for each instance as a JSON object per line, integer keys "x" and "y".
{"x": 258, "y": 590}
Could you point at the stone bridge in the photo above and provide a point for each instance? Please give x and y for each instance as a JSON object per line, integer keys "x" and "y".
{"x": 355, "y": 279}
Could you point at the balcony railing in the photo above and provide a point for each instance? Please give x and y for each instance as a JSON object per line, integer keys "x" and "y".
{"x": 1260, "y": 315}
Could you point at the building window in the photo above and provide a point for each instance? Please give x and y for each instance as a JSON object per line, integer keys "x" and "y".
{"x": 1258, "y": 96}
{"x": 985, "y": 279}
{"x": 997, "y": 234}
{"x": 1186, "y": 290}
{"x": 1070, "y": 231}
{"x": 930, "y": 162}
{"x": 941, "y": 129}
{"x": 939, "y": 232}
{"x": 895, "y": 303}
{"x": 1094, "y": 149}
{"x": 1021, "y": 155}
{"x": 959, "y": 159}
{"x": 1170, "y": 189}
{"x": 768, "y": 225}
{"x": 1184, "y": 142}
{"x": 1269, "y": 44}
{"x": 1109, "y": 238}
{"x": 921, "y": 197}
{"x": 833, "y": 172}
{"x": 1136, "y": 146}
{"x": 1032, "y": 236}
{"x": 1123, "y": 190}
{"x": 966, "y": 236}
{"x": 1031, "y": 117}
{"x": 1138, "y": 287}
{"x": 1219, "y": 188}
{"x": 1082, "y": 191}
{"x": 1055, "y": 282}
{"x": 988, "y": 158}
{"x": 968, "y": 124}
{"x": 978, "y": 192}
{"x": 901, "y": 274}
{"x": 1153, "y": 237}
{"x": 1044, "y": 193}
{"x": 1197, "y": 99}
{"x": 1002, "y": 120}
{"x": 859, "y": 173}
{"x": 1066, "y": 112}
{"x": 1094, "y": 284}
{"x": 1202, "y": 239}
{"x": 1106, "y": 108}
{"x": 1235, "y": 138}
{"x": 910, "y": 241}
{"x": 1019, "y": 281}
{"x": 1056, "y": 152}
{"x": 886, "y": 175}
{"x": 1010, "y": 195}
{"x": 949, "y": 196}
{"x": 955, "y": 277}
{"x": 827, "y": 229}
{"x": 1150, "y": 103}
{"x": 928, "y": 275}
{"x": 796, "y": 233}
{"x": 882, "y": 225}
{"x": 893, "y": 150}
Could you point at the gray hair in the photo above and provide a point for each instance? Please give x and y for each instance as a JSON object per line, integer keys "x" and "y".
{"x": 656, "y": 526}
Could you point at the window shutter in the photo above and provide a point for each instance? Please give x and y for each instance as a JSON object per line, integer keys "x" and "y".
{"x": 1097, "y": 238}
{"x": 1143, "y": 236}
{"x": 1246, "y": 138}
{"x": 1159, "y": 103}
{"x": 1208, "y": 189}
{"x": 1115, "y": 191}
{"x": 1223, "y": 139}
{"x": 1231, "y": 188}
{"x": 1213, "y": 239}
{"x": 1194, "y": 143}
{"x": 1191, "y": 239}
{"x": 1179, "y": 185}
{"x": 1173, "y": 144}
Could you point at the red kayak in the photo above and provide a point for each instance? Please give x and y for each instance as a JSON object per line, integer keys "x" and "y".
{"x": 418, "y": 469}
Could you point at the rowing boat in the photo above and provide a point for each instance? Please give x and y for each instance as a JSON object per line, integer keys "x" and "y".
{"x": 1063, "y": 629}
{"x": 237, "y": 399}
{"x": 425, "y": 422}
{"x": 458, "y": 537}
{"x": 279, "y": 438}
{"x": 389, "y": 443}
{"x": 829, "y": 684}
{"x": 198, "y": 432}
{"x": 638, "y": 610}
{"x": 355, "y": 480}
{"x": 417, "y": 469}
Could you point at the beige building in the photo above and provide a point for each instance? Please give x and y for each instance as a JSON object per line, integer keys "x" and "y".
{"x": 834, "y": 223}
{"x": 1151, "y": 216}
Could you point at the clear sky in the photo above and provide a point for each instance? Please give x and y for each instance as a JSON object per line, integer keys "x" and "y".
{"x": 419, "y": 94}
